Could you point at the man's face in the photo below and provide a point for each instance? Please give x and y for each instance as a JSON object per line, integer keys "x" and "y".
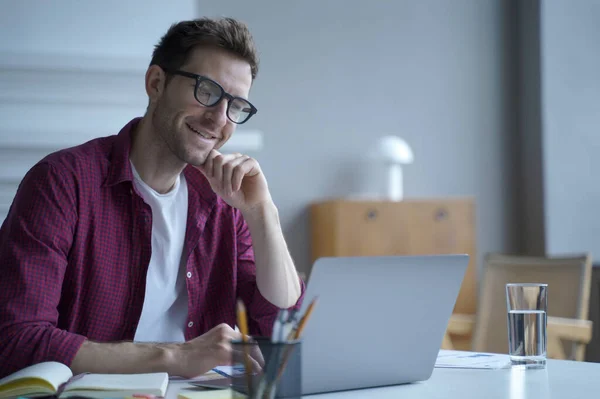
{"x": 189, "y": 129}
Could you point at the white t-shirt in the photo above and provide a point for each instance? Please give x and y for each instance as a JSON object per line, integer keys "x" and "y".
{"x": 165, "y": 309}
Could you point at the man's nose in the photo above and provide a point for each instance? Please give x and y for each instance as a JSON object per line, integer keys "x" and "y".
{"x": 218, "y": 113}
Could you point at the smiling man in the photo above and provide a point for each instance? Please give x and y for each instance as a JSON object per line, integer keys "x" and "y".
{"x": 127, "y": 253}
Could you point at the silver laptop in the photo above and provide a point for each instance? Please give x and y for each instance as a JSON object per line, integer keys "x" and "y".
{"x": 378, "y": 320}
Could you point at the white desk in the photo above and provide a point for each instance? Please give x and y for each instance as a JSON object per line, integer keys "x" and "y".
{"x": 561, "y": 379}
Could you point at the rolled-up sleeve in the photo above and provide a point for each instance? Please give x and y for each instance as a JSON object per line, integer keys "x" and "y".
{"x": 262, "y": 313}
{"x": 35, "y": 240}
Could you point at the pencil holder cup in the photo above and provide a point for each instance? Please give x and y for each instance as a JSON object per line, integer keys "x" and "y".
{"x": 274, "y": 369}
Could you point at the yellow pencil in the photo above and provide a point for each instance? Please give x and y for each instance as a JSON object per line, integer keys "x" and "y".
{"x": 297, "y": 332}
{"x": 294, "y": 335}
{"x": 243, "y": 325}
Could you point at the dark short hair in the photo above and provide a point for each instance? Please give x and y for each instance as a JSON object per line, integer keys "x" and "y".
{"x": 173, "y": 49}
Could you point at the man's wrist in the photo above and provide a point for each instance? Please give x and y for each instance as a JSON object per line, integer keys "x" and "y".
{"x": 170, "y": 358}
{"x": 260, "y": 212}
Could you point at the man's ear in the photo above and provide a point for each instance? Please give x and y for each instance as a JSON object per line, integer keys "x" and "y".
{"x": 155, "y": 82}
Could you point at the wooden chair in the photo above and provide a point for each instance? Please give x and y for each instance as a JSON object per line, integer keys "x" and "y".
{"x": 568, "y": 280}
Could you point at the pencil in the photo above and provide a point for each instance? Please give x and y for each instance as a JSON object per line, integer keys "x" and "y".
{"x": 243, "y": 325}
{"x": 295, "y": 334}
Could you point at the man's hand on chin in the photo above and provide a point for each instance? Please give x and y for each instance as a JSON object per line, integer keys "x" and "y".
{"x": 238, "y": 179}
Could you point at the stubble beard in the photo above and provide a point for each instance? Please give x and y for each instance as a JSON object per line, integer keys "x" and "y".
{"x": 167, "y": 133}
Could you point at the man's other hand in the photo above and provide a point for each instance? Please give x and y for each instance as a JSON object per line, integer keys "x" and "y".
{"x": 200, "y": 355}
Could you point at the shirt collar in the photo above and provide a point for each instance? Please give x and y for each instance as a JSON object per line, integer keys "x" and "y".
{"x": 120, "y": 169}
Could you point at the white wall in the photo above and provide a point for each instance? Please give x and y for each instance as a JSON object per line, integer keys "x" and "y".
{"x": 570, "y": 63}
{"x": 71, "y": 71}
{"x": 335, "y": 75}
{"x": 126, "y": 29}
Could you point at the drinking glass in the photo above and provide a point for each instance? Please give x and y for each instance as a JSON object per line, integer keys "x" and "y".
{"x": 527, "y": 321}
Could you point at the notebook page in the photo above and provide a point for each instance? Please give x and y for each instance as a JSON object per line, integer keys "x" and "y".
{"x": 53, "y": 373}
{"x": 207, "y": 394}
{"x": 141, "y": 383}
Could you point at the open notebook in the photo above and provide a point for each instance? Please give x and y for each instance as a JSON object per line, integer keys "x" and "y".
{"x": 51, "y": 378}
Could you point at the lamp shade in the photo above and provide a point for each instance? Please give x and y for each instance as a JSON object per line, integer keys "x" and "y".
{"x": 393, "y": 149}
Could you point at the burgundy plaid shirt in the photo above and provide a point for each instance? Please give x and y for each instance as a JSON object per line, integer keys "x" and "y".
{"x": 75, "y": 249}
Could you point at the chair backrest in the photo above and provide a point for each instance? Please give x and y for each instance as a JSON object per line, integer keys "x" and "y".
{"x": 568, "y": 279}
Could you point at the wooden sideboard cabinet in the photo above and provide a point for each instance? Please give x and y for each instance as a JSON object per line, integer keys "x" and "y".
{"x": 411, "y": 227}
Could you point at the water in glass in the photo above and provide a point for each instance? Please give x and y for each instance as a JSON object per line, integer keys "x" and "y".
{"x": 527, "y": 337}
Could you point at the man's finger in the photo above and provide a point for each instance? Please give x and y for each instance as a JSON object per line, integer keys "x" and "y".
{"x": 207, "y": 166}
{"x": 256, "y": 366}
{"x": 228, "y": 170}
{"x": 234, "y": 178}
{"x": 218, "y": 171}
{"x": 240, "y": 171}
{"x": 236, "y": 335}
{"x": 218, "y": 161}
{"x": 239, "y": 356}
{"x": 258, "y": 356}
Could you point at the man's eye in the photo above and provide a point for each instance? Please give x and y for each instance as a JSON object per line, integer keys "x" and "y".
{"x": 203, "y": 96}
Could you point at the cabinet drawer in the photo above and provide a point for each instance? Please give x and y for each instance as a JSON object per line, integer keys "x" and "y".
{"x": 404, "y": 228}
{"x": 380, "y": 228}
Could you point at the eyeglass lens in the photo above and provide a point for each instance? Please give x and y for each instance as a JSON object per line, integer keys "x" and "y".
{"x": 209, "y": 93}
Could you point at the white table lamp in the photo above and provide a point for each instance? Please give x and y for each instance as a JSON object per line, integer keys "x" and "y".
{"x": 394, "y": 152}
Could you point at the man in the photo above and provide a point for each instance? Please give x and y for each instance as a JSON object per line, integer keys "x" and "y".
{"x": 127, "y": 254}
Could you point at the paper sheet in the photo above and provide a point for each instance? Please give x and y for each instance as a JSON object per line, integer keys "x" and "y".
{"x": 206, "y": 394}
{"x": 230, "y": 371}
{"x": 211, "y": 375}
{"x": 216, "y": 373}
{"x": 471, "y": 360}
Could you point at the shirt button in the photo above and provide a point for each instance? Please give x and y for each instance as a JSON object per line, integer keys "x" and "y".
{"x": 191, "y": 324}
{"x": 189, "y": 275}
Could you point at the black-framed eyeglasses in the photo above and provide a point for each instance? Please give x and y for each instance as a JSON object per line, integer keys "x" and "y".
{"x": 209, "y": 93}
